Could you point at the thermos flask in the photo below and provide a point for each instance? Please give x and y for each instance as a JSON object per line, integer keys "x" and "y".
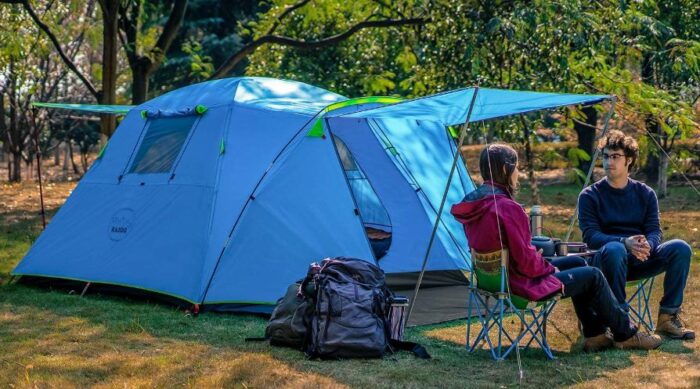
{"x": 536, "y": 217}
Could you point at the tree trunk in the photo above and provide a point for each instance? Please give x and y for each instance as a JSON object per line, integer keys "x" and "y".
{"x": 3, "y": 127}
{"x": 57, "y": 154}
{"x": 139, "y": 88}
{"x": 16, "y": 172}
{"x": 110, "y": 17}
{"x": 66, "y": 158}
{"x": 661, "y": 187}
{"x": 586, "y": 135}
{"x": 30, "y": 169}
{"x": 72, "y": 162}
{"x": 651, "y": 170}
{"x": 653, "y": 163}
{"x": 83, "y": 161}
{"x": 530, "y": 163}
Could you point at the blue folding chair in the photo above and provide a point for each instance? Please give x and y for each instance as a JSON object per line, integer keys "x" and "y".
{"x": 490, "y": 301}
{"x": 639, "y": 302}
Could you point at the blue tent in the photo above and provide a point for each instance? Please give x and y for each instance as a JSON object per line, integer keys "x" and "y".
{"x": 221, "y": 193}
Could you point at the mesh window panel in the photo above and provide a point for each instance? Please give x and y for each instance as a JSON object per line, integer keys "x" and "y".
{"x": 345, "y": 157}
{"x": 162, "y": 144}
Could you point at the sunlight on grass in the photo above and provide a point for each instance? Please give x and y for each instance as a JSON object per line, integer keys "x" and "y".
{"x": 55, "y": 339}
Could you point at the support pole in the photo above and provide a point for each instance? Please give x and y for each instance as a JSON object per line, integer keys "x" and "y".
{"x": 596, "y": 151}
{"x": 38, "y": 169}
{"x": 462, "y": 134}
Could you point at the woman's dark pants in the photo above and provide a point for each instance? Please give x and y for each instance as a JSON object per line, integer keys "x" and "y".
{"x": 594, "y": 302}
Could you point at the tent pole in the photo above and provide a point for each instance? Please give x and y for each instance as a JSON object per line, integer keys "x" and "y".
{"x": 596, "y": 151}
{"x": 38, "y": 168}
{"x": 463, "y": 133}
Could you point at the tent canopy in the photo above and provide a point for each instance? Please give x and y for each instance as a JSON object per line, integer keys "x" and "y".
{"x": 451, "y": 108}
{"x": 92, "y": 108}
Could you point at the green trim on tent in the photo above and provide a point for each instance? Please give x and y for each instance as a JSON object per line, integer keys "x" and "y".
{"x": 144, "y": 114}
{"x": 453, "y": 132}
{"x": 239, "y": 302}
{"x": 108, "y": 283}
{"x": 94, "y": 108}
{"x": 102, "y": 150}
{"x": 200, "y": 109}
{"x": 317, "y": 129}
{"x": 222, "y": 147}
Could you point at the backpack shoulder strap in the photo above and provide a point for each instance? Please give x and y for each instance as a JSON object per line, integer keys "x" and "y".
{"x": 417, "y": 350}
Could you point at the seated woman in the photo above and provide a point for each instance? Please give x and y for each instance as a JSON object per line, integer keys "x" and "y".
{"x": 493, "y": 220}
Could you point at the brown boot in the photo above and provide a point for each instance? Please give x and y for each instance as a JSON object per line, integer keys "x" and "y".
{"x": 597, "y": 343}
{"x": 640, "y": 341}
{"x": 673, "y": 327}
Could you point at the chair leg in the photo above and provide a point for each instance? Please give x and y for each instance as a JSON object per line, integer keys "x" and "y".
{"x": 639, "y": 304}
{"x": 534, "y": 329}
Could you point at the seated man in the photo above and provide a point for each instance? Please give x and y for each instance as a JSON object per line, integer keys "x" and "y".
{"x": 620, "y": 216}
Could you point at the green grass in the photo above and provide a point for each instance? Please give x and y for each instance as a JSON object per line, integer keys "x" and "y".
{"x": 58, "y": 339}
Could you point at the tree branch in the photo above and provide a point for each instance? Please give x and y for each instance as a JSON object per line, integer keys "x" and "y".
{"x": 127, "y": 25}
{"x": 284, "y": 14}
{"x": 248, "y": 49}
{"x": 177, "y": 15}
{"x": 52, "y": 37}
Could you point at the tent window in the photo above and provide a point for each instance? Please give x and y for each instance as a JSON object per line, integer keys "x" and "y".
{"x": 345, "y": 157}
{"x": 375, "y": 217}
{"x": 162, "y": 144}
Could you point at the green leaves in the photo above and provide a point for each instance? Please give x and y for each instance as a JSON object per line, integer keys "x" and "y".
{"x": 576, "y": 155}
{"x": 201, "y": 66}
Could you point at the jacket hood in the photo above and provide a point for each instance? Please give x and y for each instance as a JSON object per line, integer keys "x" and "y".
{"x": 478, "y": 203}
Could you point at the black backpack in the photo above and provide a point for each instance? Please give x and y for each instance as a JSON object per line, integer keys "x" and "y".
{"x": 351, "y": 310}
{"x": 340, "y": 310}
{"x": 289, "y": 323}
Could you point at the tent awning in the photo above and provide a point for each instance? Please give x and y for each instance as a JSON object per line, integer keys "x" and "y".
{"x": 92, "y": 108}
{"x": 450, "y": 108}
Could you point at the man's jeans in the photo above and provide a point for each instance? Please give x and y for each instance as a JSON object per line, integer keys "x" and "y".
{"x": 672, "y": 257}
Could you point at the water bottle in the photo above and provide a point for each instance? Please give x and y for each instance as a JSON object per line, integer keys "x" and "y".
{"x": 536, "y": 218}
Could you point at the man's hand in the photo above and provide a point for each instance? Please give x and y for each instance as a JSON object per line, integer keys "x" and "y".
{"x": 638, "y": 246}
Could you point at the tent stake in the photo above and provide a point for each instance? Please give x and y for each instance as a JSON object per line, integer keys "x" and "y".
{"x": 590, "y": 169}
{"x": 462, "y": 134}
{"x": 85, "y": 289}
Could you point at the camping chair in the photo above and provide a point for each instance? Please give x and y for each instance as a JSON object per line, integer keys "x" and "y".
{"x": 489, "y": 282}
{"x": 639, "y": 302}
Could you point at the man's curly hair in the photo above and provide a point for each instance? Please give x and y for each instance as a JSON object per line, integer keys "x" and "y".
{"x": 617, "y": 140}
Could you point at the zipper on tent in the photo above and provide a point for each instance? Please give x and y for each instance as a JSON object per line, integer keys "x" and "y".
{"x": 184, "y": 145}
{"x": 237, "y": 219}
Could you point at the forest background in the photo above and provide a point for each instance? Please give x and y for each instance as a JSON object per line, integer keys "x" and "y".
{"x": 647, "y": 53}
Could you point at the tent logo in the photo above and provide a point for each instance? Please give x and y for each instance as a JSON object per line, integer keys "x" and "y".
{"x": 120, "y": 223}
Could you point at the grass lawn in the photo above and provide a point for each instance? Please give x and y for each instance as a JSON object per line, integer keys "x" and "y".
{"x": 56, "y": 339}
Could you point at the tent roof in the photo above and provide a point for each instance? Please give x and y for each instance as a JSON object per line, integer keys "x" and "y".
{"x": 451, "y": 108}
{"x": 261, "y": 92}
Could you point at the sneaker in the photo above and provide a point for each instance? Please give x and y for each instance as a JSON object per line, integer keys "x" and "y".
{"x": 640, "y": 341}
{"x": 673, "y": 326}
{"x": 597, "y": 343}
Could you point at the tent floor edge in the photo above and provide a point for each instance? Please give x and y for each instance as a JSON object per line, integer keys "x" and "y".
{"x": 124, "y": 293}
